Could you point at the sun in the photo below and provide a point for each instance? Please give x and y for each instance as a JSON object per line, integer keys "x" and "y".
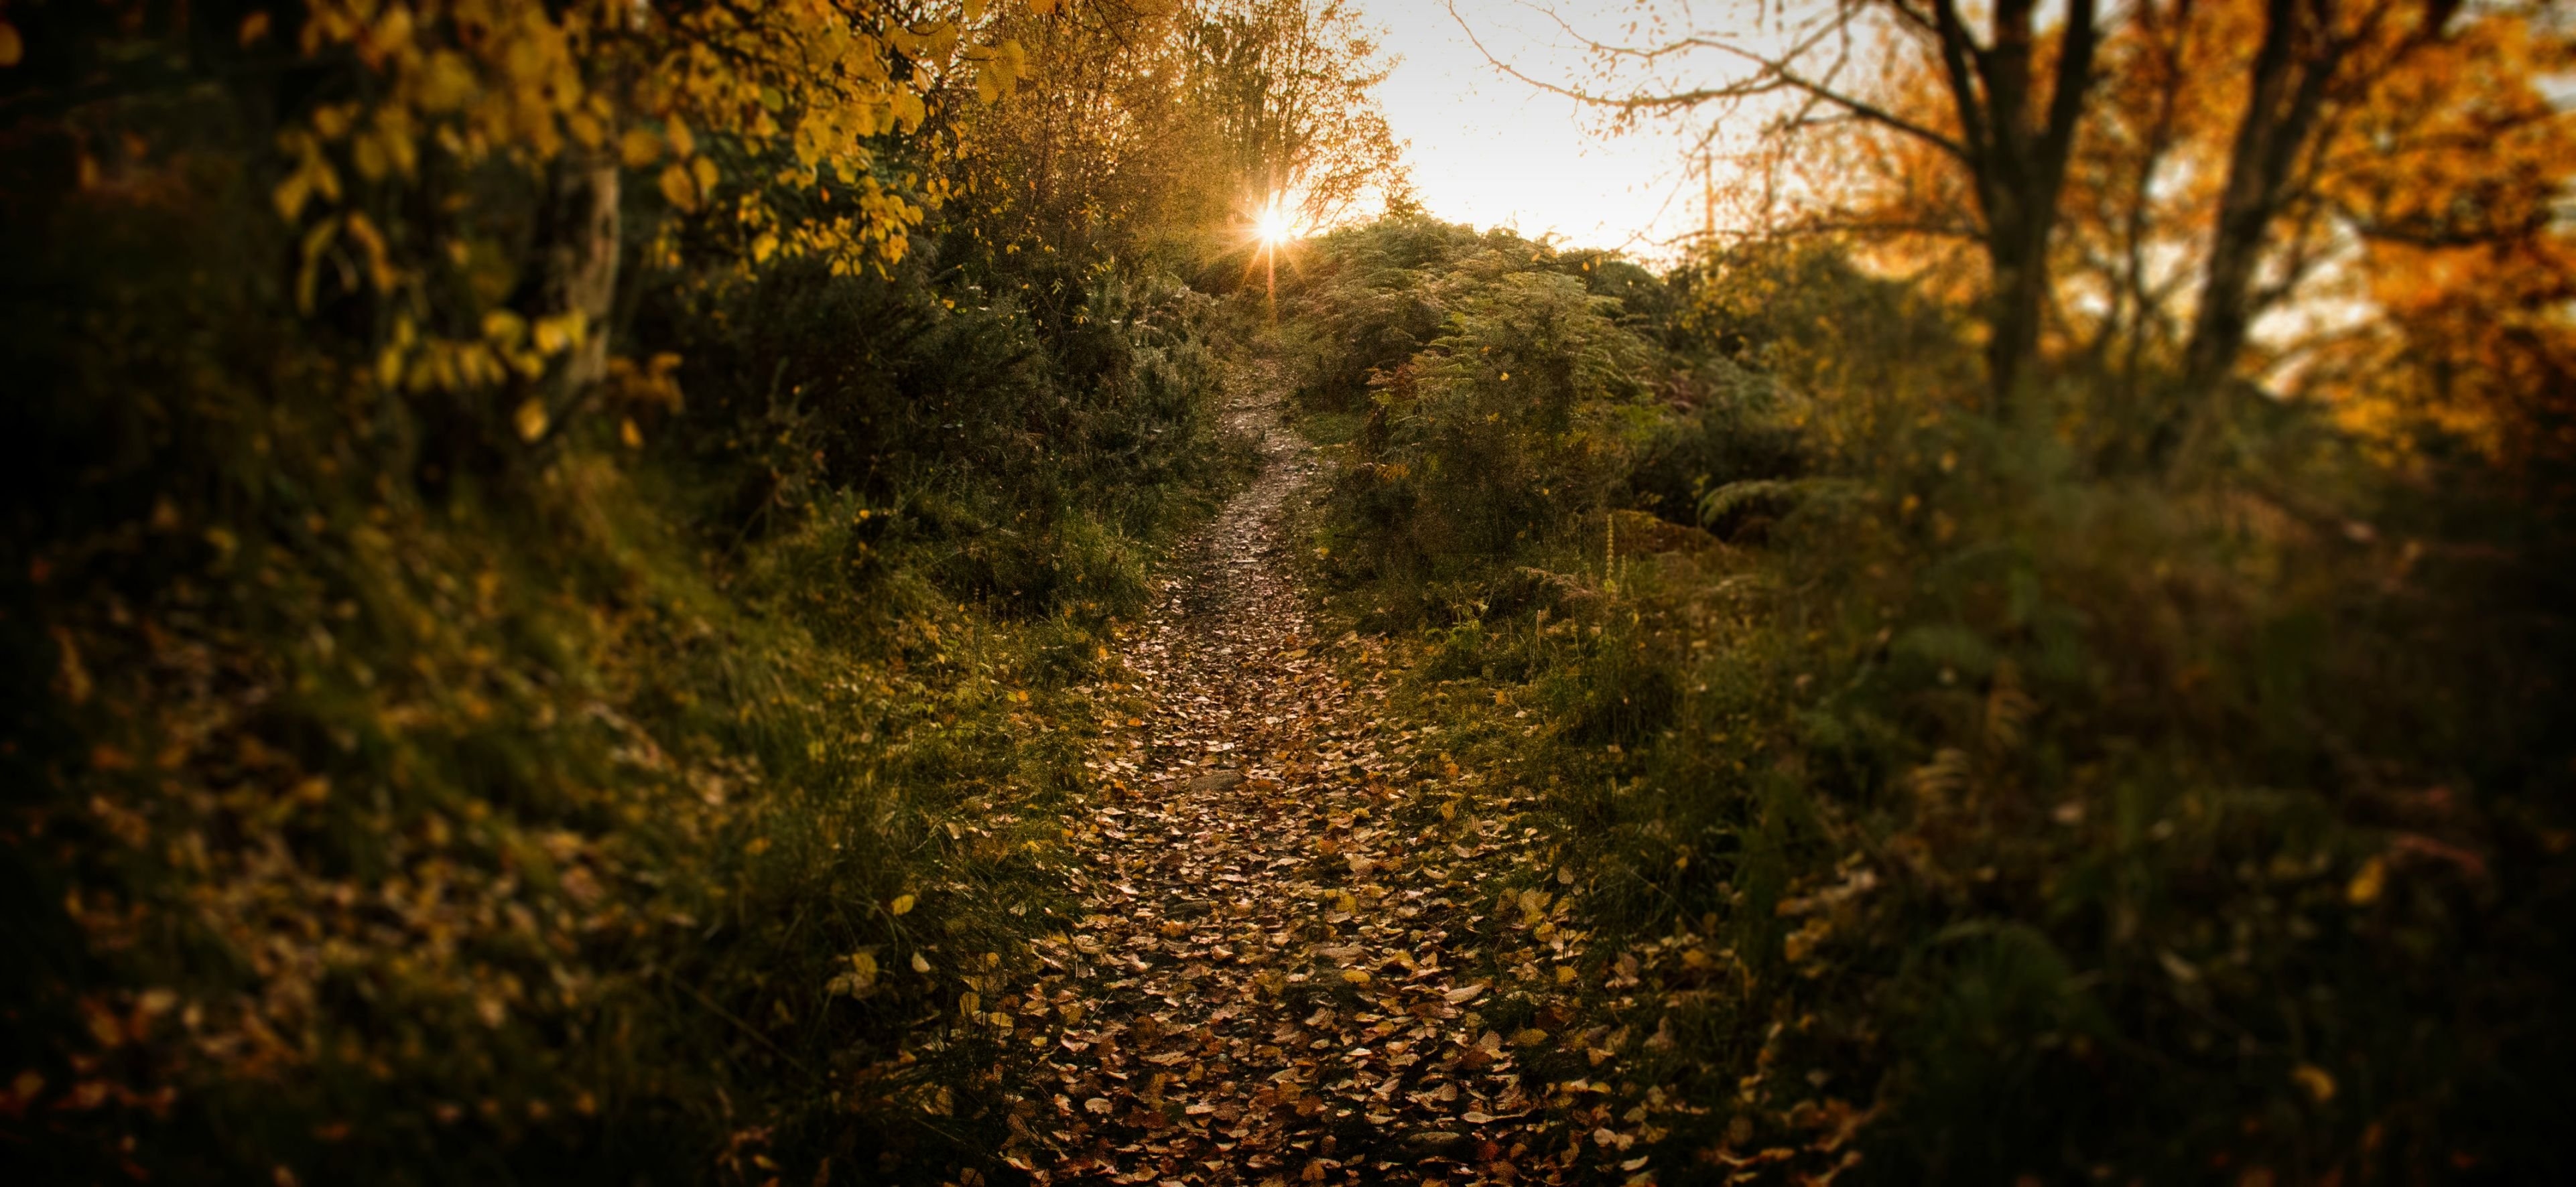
{"x": 1272, "y": 233}
{"x": 1272, "y": 226}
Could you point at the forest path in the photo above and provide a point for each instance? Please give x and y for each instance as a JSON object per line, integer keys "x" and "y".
{"x": 1265, "y": 986}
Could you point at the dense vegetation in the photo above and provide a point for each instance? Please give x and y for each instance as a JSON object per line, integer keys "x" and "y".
{"x": 2054, "y": 818}
{"x": 560, "y": 563}
{"x": 556, "y": 656}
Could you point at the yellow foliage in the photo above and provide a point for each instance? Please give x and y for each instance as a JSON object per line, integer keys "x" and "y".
{"x": 554, "y": 90}
{"x": 531, "y": 419}
{"x": 638, "y": 147}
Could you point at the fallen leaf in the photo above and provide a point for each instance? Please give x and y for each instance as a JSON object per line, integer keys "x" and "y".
{"x": 2367, "y": 883}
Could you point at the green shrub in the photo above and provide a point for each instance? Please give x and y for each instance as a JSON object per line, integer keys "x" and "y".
{"x": 392, "y": 799}
{"x": 1505, "y": 400}
{"x": 2033, "y": 816}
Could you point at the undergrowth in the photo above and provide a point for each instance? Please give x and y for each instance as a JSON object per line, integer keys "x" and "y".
{"x": 1961, "y": 802}
{"x": 393, "y": 796}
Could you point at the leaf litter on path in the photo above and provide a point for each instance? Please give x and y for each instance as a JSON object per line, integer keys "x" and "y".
{"x": 1269, "y": 982}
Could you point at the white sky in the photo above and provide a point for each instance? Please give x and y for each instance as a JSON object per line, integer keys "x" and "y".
{"x": 1489, "y": 150}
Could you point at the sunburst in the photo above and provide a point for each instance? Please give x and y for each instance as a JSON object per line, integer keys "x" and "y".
{"x": 1273, "y": 230}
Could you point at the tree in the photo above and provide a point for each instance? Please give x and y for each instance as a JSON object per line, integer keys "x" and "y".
{"x": 2447, "y": 182}
{"x": 415, "y": 145}
{"x": 2013, "y": 97}
{"x": 2370, "y": 151}
{"x": 1287, "y": 84}
{"x": 2188, "y": 170}
{"x": 1159, "y": 128}
{"x": 1101, "y": 154}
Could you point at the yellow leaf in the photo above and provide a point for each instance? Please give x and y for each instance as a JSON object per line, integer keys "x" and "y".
{"x": 75, "y": 678}
{"x": 315, "y": 241}
{"x": 638, "y": 148}
{"x": 448, "y": 83}
{"x": 678, "y": 190}
{"x": 920, "y": 964}
{"x": 628, "y": 433}
{"x": 2319, "y": 1083}
{"x": 253, "y": 27}
{"x": 758, "y": 845}
{"x": 901, "y": 905}
{"x": 291, "y": 194}
{"x": 703, "y": 171}
{"x": 683, "y": 144}
{"x": 559, "y": 333}
{"x": 1529, "y": 1037}
{"x": 12, "y": 48}
{"x": 531, "y": 419}
{"x": 1802, "y": 942}
{"x": 1356, "y": 976}
{"x": 2366, "y": 884}
{"x": 380, "y": 268}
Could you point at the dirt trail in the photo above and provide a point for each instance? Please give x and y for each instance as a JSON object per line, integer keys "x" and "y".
{"x": 1266, "y": 984}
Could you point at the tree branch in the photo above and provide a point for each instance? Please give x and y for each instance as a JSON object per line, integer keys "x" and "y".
{"x": 1771, "y": 76}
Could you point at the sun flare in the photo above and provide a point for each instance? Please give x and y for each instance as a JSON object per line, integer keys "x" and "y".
{"x": 1272, "y": 227}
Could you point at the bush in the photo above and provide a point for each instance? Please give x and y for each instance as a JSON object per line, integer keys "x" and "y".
{"x": 1985, "y": 811}
{"x": 393, "y": 800}
{"x": 1496, "y": 434}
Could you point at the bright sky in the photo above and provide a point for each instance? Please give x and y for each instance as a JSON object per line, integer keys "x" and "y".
{"x": 1489, "y": 150}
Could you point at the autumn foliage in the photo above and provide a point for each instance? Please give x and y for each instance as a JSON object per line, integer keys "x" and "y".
{"x": 565, "y": 564}
{"x": 548, "y": 596}
{"x": 2409, "y": 250}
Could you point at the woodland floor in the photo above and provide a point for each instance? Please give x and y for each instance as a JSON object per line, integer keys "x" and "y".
{"x": 1271, "y": 981}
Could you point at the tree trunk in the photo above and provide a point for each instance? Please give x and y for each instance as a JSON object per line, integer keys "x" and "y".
{"x": 2297, "y": 58}
{"x": 2019, "y": 169}
{"x": 582, "y": 266}
{"x": 2017, "y": 292}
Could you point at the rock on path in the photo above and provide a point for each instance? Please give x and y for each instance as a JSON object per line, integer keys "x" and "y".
{"x": 1265, "y": 986}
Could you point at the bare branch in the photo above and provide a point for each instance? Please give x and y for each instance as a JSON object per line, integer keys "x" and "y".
{"x": 1771, "y": 76}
